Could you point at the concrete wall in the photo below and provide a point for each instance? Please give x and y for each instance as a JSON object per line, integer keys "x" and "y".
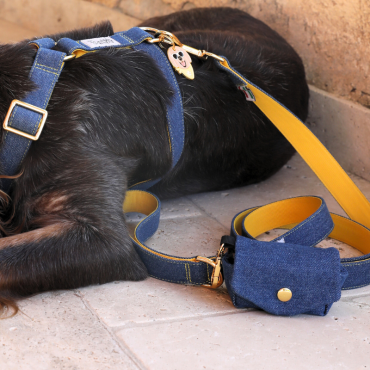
{"x": 332, "y": 36}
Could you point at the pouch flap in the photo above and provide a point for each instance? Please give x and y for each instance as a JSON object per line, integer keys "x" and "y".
{"x": 313, "y": 275}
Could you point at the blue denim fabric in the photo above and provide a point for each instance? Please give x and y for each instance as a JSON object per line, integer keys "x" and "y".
{"x": 46, "y": 43}
{"x": 258, "y": 270}
{"x": 261, "y": 269}
{"x": 44, "y": 73}
{"x": 358, "y": 271}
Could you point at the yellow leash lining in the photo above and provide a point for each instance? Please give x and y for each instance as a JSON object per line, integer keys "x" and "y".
{"x": 323, "y": 164}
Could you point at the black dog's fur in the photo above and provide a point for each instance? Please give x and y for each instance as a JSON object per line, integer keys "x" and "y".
{"x": 64, "y": 227}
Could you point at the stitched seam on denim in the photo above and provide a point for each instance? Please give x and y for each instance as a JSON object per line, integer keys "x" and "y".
{"x": 26, "y": 150}
{"x": 43, "y": 65}
{"x": 324, "y": 237}
{"x": 164, "y": 259}
{"x": 188, "y": 267}
{"x": 11, "y": 118}
{"x": 174, "y": 281}
{"x": 169, "y": 135}
{"x": 357, "y": 286}
{"x": 51, "y": 88}
{"x": 360, "y": 263}
{"x": 47, "y": 97}
{"x": 80, "y": 46}
{"x": 10, "y": 121}
{"x": 177, "y": 91}
{"x": 167, "y": 261}
{"x": 364, "y": 257}
{"x": 122, "y": 34}
{"x": 128, "y": 38}
{"x": 172, "y": 144}
{"x": 189, "y": 273}
{"x": 45, "y": 70}
{"x": 34, "y": 65}
{"x": 29, "y": 141}
{"x": 54, "y": 81}
{"x": 186, "y": 272}
{"x": 312, "y": 217}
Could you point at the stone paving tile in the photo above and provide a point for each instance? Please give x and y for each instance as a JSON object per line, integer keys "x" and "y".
{"x": 255, "y": 340}
{"x": 150, "y": 301}
{"x": 188, "y": 237}
{"x": 171, "y": 209}
{"x": 351, "y": 293}
{"x": 57, "y": 331}
{"x": 185, "y": 237}
{"x": 179, "y": 207}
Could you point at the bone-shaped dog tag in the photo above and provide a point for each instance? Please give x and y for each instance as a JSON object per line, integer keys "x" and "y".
{"x": 181, "y": 61}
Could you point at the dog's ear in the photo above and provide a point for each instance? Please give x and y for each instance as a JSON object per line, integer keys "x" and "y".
{"x": 102, "y": 29}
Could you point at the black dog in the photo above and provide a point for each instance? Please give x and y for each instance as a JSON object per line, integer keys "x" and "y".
{"x": 64, "y": 227}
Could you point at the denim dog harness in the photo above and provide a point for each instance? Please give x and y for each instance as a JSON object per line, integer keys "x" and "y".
{"x": 24, "y": 122}
{"x": 286, "y": 276}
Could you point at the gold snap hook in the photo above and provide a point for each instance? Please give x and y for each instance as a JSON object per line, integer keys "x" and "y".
{"x": 216, "y": 278}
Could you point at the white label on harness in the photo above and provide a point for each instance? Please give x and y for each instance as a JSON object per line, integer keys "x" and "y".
{"x": 100, "y": 42}
{"x": 282, "y": 240}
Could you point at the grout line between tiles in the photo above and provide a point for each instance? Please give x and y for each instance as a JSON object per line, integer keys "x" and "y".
{"x": 112, "y": 335}
{"x": 204, "y": 212}
{"x": 133, "y": 325}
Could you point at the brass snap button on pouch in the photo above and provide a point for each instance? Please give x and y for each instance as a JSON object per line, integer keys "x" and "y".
{"x": 284, "y": 295}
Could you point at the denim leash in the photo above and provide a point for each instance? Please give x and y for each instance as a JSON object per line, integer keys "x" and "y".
{"x": 286, "y": 276}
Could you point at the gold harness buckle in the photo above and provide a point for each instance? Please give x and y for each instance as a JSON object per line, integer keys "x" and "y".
{"x": 216, "y": 278}
{"x": 32, "y": 108}
{"x": 170, "y": 38}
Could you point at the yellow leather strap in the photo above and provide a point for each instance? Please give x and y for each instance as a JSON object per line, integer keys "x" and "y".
{"x": 327, "y": 169}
